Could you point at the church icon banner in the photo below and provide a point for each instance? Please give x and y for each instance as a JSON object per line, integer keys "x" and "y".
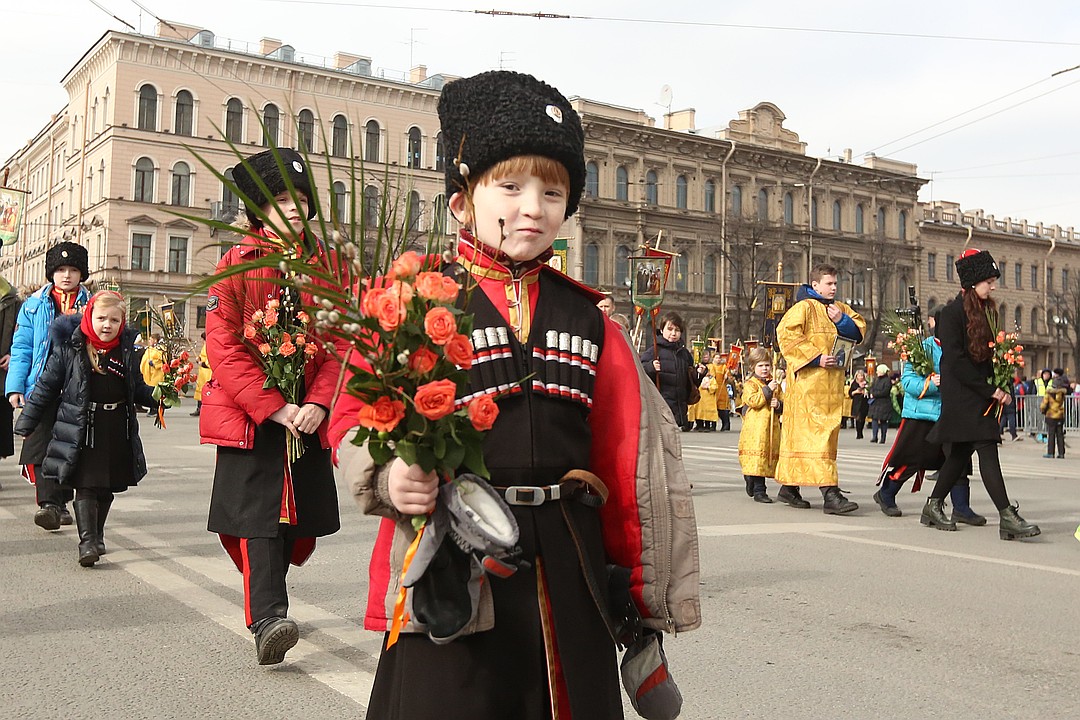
{"x": 12, "y": 207}
{"x": 778, "y": 298}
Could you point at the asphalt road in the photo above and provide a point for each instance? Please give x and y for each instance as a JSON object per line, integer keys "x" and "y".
{"x": 805, "y": 615}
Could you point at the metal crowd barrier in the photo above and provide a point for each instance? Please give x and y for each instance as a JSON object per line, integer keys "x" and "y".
{"x": 1030, "y": 419}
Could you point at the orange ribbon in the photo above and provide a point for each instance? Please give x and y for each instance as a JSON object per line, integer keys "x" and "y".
{"x": 400, "y": 616}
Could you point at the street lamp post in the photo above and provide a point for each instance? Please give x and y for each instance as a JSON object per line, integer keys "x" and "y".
{"x": 1061, "y": 323}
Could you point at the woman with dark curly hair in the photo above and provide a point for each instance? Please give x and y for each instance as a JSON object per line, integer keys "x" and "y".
{"x": 969, "y": 399}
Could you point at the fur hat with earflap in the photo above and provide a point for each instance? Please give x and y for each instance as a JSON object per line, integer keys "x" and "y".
{"x": 266, "y": 167}
{"x": 67, "y": 253}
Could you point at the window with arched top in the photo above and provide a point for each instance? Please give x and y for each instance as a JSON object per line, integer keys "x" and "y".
{"x": 592, "y": 180}
{"x": 837, "y": 216}
{"x": 651, "y": 194}
{"x": 1018, "y": 316}
{"x": 414, "y": 145}
{"x": 271, "y": 125}
{"x": 789, "y": 209}
{"x": 414, "y": 212}
{"x": 931, "y": 305}
{"x": 813, "y": 214}
{"x": 682, "y": 272}
{"x": 439, "y": 215}
{"x": 372, "y": 135}
{"x": 305, "y": 131}
{"x": 371, "y": 206}
{"x": 736, "y": 201}
{"x": 622, "y": 183}
{"x": 622, "y": 266}
{"x": 440, "y": 151}
{"x": 339, "y": 146}
{"x": 901, "y": 225}
{"x": 680, "y": 192}
{"x": 710, "y": 275}
{"x": 181, "y": 184}
{"x": 147, "y": 107}
{"x": 859, "y": 224}
{"x": 1035, "y": 326}
{"x": 234, "y": 120}
{"x": 880, "y": 229}
{"x": 710, "y": 196}
{"x": 144, "y": 180}
{"x": 763, "y": 205}
{"x": 230, "y": 203}
{"x": 184, "y": 116}
{"x": 591, "y": 265}
{"x": 339, "y": 201}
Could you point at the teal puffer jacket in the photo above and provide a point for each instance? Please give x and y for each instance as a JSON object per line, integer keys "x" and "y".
{"x": 922, "y": 400}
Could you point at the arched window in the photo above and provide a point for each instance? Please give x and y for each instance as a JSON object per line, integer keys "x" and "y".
{"x": 184, "y": 120}
{"x": 736, "y": 201}
{"x": 813, "y": 214}
{"x": 340, "y": 145}
{"x": 651, "y": 196}
{"x": 682, "y": 272}
{"x": 413, "y": 159}
{"x": 414, "y": 211}
{"x": 440, "y": 161}
{"x": 1035, "y": 324}
{"x": 880, "y": 222}
{"x": 680, "y": 192}
{"x": 230, "y": 204}
{"x": 181, "y": 184}
{"x": 622, "y": 266}
{"x": 371, "y": 141}
{"x": 789, "y": 209}
{"x": 305, "y": 131}
{"x": 710, "y": 274}
{"x": 591, "y": 275}
{"x": 592, "y": 180}
{"x": 901, "y": 226}
{"x": 859, "y": 228}
{"x": 148, "y": 107}
{"x": 931, "y": 305}
{"x": 710, "y": 196}
{"x": 234, "y": 120}
{"x": 371, "y": 206}
{"x": 1018, "y": 316}
{"x": 271, "y": 125}
{"x": 763, "y": 205}
{"x": 144, "y": 180}
{"x": 339, "y": 201}
{"x": 622, "y": 184}
{"x": 438, "y": 215}
{"x": 837, "y": 216}
{"x": 1003, "y": 312}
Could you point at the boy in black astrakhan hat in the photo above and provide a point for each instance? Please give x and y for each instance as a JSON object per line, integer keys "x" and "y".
{"x": 539, "y": 643}
{"x": 266, "y": 510}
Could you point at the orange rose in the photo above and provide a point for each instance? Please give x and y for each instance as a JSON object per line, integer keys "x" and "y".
{"x": 406, "y": 265}
{"x": 303, "y": 317}
{"x": 310, "y": 349}
{"x": 271, "y": 319}
{"x": 422, "y": 361}
{"x": 370, "y": 302}
{"x": 383, "y": 416}
{"x": 482, "y": 412}
{"x": 249, "y": 332}
{"x": 1019, "y": 348}
{"x": 257, "y": 316}
{"x": 286, "y": 337}
{"x": 435, "y": 399}
{"x": 991, "y": 344}
{"x": 390, "y": 311}
{"x": 300, "y": 340}
{"x": 402, "y": 290}
{"x": 287, "y": 349}
{"x": 440, "y": 325}
{"x": 449, "y": 289}
{"x": 429, "y": 285}
{"x": 264, "y": 348}
{"x": 273, "y": 304}
{"x": 459, "y": 350}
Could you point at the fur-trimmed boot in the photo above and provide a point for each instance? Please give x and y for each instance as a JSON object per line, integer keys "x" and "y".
{"x": 86, "y": 518}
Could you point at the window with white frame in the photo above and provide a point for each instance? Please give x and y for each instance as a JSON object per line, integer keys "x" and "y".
{"x": 181, "y": 184}
{"x": 414, "y": 147}
{"x": 184, "y": 117}
{"x": 681, "y": 192}
{"x": 622, "y": 183}
{"x": 178, "y": 254}
{"x": 144, "y": 180}
{"x": 340, "y": 145}
{"x": 372, "y": 135}
{"x": 142, "y": 244}
{"x": 440, "y": 161}
{"x": 271, "y": 125}
{"x": 305, "y": 131}
{"x": 234, "y": 120}
{"x": 147, "y": 119}
{"x": 439, "y": 215}
{"x": 339, "y": 201}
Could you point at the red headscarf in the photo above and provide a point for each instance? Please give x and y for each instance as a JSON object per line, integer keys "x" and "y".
{"x": 87, "y": 326}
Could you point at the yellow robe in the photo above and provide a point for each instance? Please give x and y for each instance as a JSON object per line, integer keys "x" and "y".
{"x": 759, "y": 439}
{"x": 705, "y": 409}
{"x": 205, "y": 373}
{"x": 153, "y": 366}
{"x": 815, "y": 395}
{"x": 723, "y": 379}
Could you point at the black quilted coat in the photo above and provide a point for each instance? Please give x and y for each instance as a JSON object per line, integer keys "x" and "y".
{"x": 66, "y": 376}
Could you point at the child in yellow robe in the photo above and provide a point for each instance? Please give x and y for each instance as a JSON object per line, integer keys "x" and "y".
{"x": 759, "y": 440}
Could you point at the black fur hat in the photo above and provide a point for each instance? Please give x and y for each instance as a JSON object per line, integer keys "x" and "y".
{"x": 67, "y": 253}
{"x": 974, "y": 266}
{"x": 497, "y": 115}
{"x": 266, "y": 167}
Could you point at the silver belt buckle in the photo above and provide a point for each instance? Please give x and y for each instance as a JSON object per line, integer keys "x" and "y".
{"x": 524, "y": 495}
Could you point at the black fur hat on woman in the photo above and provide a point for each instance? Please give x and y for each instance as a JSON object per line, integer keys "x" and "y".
{"x": 67, "y": 253}
{"x": 266, "y": 167}
{"x": 973, "y": 266}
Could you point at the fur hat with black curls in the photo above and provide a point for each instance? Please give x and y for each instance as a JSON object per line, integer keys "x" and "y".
{"x": 67, "y": 253}
{"x": 265, "y": 166}
{"x": 497, "y": 115}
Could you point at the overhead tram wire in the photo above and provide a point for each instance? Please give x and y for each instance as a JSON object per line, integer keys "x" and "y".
{"x": 108, "y": 12}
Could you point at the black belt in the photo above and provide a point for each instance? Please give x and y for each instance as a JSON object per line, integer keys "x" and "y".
{"x": 106, "y": 406}
{"x": 578, "y": 484}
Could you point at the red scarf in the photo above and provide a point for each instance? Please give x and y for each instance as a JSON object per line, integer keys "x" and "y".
{"x": 87, "y": 326}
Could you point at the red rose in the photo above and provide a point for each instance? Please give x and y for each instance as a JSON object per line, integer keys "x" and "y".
{"x": 482, "y": 412}
{"x": 440, "y": 325}
{"x": 422, "y": 361}
{"x": 435, "y": 399}
{"x": 383, "y": 416}
{"x": 184, "y": 356}
{"x": 459, "y": 350}
{"x": 287, "y": 349}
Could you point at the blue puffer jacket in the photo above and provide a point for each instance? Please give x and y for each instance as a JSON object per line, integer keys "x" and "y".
{"x": 30, "y": 346}
{"x": 927, "y": 407}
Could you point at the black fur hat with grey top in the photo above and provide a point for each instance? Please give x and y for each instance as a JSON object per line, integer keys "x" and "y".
{"x": 265, "y": 165}
{"x": 497, "y": 115}
{"x": 974, "y": 266}
{"x": 67, "y": 253}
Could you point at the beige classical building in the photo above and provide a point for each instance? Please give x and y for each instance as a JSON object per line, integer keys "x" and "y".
{"x": 116, "y": 166}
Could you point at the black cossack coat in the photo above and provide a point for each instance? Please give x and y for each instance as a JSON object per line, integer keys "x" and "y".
{"x": 66, "y": 377}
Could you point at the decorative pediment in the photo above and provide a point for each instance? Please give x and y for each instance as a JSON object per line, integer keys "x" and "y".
{"x": 143, "y": 220}
{"x": 763, "y": 125}
{"x": 181, "y": 224}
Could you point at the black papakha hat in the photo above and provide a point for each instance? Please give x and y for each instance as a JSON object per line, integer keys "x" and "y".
{"x": 266, "y": 167}
{"x": 974, "y": 266}
{"x": 67, "y": 253}
{"x": 497, "y": 115}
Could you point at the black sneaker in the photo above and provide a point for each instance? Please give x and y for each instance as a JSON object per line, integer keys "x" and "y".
{"x": 47, "y": 517}
{"x": 274, "y": 637}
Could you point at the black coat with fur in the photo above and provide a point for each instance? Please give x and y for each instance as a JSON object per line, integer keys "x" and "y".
{"x": 67, "y": 377}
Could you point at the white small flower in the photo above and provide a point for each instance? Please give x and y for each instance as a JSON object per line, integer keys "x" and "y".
{"x": 334, "y": 317}
{"x": 283, "y": 266}
{"x": 321, "y": 316}
{"x": 403, "y": 357}
{"x": 327, "y": 304}
{"x": 464, "y": 170}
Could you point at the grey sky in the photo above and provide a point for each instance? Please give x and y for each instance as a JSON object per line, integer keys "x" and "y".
{"x": 838, "y": 90}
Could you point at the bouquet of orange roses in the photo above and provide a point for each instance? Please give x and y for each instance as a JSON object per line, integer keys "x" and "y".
{"x": 180, "y": 374}
{"x": 278, "y": 337}
{"x": 908, "y": 343}
{"x": 1006, "y": 359}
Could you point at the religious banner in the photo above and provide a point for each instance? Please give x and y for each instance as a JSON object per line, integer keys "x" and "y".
{"x": 778, "y": 298}
{"x": 734, "y": 356}
{"x": 558, "y": 259}
{"x": 697, "y": 346}
{"x": 12, "y": 207}
{"x": 649, "y": 273}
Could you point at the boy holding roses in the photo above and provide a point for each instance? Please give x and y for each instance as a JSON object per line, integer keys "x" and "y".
{"x": 566, "y": 445}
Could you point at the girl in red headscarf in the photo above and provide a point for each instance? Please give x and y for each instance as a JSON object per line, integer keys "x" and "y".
{"x": 93, "y": 373}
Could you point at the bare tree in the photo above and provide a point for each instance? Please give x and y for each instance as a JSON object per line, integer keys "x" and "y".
{"x": 1066, "y": 310}
{"x": 752, "y": 249}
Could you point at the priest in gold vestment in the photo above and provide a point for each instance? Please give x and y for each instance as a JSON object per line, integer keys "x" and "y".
{"x": 813, "y": 401}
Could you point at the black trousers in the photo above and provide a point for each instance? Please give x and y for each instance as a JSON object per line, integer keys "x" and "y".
{"x": 958, "y": 458}
{"x": 725, "y": 420}
{"x": 266, "y": 562}
{"x": 1055, "y": 436}
{"x": 48, "y": 490}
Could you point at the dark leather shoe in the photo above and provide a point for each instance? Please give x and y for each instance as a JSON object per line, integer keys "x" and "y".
{"x": 933, "y": 515}
{"x": 836, "y": 504}
{"x": 1014, "y": 527}
{"x": 273, "y": 638}
{"x": 65, "y": 516}
{"x": 890, "y": 510}
{"x": 762, "y": 498}
{"x": 48, "y": 517}
{"x": 790, "y": 494}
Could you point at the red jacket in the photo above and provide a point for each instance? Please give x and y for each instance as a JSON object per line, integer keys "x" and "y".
{"x": 234, "y": 401}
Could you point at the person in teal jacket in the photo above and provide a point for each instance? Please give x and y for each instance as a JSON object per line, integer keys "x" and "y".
{"x": 911, "y": 454}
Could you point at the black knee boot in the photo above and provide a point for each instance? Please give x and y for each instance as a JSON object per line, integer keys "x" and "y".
{"x": 103, "y": 506}
{"x": 86, "y": 517}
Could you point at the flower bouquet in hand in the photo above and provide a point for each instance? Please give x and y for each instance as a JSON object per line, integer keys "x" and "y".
{"x": 908, "y": 343}
{"x": 278, "y": 336}
{"x": 180, "y": 375}
{"x": 1006, "y": 359}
